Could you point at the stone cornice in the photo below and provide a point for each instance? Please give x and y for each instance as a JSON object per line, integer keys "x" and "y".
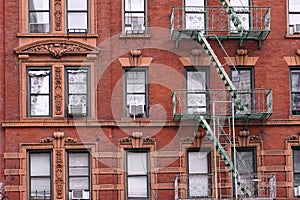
{"x": 130, "y": 123}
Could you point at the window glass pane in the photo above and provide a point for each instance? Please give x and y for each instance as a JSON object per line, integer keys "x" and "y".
{"x": 39, "y": 106}
{"x": 136, "y": 163}
{"x": 294, "y": 19}
{"x": 78, "y": 99}
{"x": 39, "y": 84}
{"x": 136, "y": 88}
{"x": 197, "y": 162}
{"x": 239, "y": 2}
{"x": 77, "y": 5}
{"x": 136, "y": 100}
{"x": 296, "y": 159}
{"x": 77, "y": 171}
{"x": 137, "y": 186}
{"x": 296, "y": 81}
{"x": 78, "y": 159}
{"x": 39, "y": 4}
{"x": 134, "y": 18}
{"x": 39, "y": 18}
{"x": 40, "y": 164}
{"x": 77, "y": 20}
{"x": 39, "y": 186}
{"x": 241, "y": 79}
{"x": 245, "y": 162}
{"x": 196, "y": 80}
{"x": 77, "y": 80}
{"x": 294, "y": 5}
{"x": 79, "y": 183}
{"x": 194, "y": 21}
{"x": 134, "y": 5}
{"x": 198, "y": 185}
{"x": 194, "y": 2}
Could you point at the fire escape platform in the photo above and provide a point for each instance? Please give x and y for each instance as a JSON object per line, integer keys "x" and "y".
{"x": 190, "y": 104}
{"x": 214, "y": 22}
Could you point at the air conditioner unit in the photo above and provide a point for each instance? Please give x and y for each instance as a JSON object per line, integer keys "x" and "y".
{"x": 296, "y": 28}
{"x": 136, "y": 110}
{"x": 77, "y": 194}
{"x": 137, "y": 27}
{"x": 77, "y": 109}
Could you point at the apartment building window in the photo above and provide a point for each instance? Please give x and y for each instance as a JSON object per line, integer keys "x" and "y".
{"x": 242, "y": 10}
{"x": 199, "y": 183}
{"x": 294, "y": 16}
{"x": 137, "y": 178}
{"x": 39, "y": 16}
{"x": 77, "y": 92}
{"x": 296, "y": 171}
{"x": 242, "y": 79}
{"x": 197, "y": 100}
{"x": 78, "y": 169}
{"x": 136, "y": 92}
{"x": 194, "y": 14}
{"x": 135, "y": 16}
{"x": 77, "y": 16}
{"x": 40, "y": 175}
{"x": 295, "y": 91}
{"x": 246, "y": 166}
{"x": 39, "y": 92}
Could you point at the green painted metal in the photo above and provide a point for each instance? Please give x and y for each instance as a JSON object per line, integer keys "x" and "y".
{"x": 216, "y": 24}
{"x": 222, "y": 73}
{"x": 223, "y": 154}
{"x": 259, "y": 104}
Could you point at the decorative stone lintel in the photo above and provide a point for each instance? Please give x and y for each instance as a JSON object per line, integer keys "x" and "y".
{"x": 292, "y": 138}
{"x": 188, "y": 61}
{"x": 249, "y": 61}
{"x": 56, "y": 48}
{"x": 145, "y": 61}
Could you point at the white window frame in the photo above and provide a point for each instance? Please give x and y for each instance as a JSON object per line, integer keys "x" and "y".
{"x": 75, "y": 11}
{"x": 85, "y": 105}
{"x": 127, "y": 94}
{"x": 86, "y": 192}
{"x": 293, "y": 10}
{"x": 42, "y": 72}
{"x": 242, "y": 10}
{"x": 201, "y": 103}
{"x": 131, "y": 15}
{"x": 244, "y": 86}
{"x": 198, "y": 168}
{"x": 33, "y": 11}
{"x": 195, "y": 15}
{"x": 295, "y": 91}
{"x": 33, "y": 174}
{"x": 134, "y": 173}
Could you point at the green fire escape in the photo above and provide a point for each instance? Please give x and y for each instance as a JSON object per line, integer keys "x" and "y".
{"x": 261, "y": 98}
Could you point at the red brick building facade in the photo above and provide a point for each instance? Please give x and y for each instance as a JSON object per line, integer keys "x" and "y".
{"x": 148, "y": 99}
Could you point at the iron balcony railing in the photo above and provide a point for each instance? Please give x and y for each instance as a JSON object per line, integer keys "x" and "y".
{"x": 187, "y": 20}
{"x": 202, "y": 186}
{"x": 209, "y": 103}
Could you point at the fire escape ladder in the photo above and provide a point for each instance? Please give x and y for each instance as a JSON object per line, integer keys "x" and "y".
{"x": 233, "y": 16}
{"x": 222, "y": 153}
{"x": 222, "y": 73}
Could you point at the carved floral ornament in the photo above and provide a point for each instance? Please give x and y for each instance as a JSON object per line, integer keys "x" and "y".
{"x": 57, "y": 49}
{"x": 136, "y": 140}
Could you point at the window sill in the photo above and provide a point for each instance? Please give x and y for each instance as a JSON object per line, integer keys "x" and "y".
{"x": 58, "y": 35}
{"x": 292, "y": 36}
{"x": 135, "y": 36}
